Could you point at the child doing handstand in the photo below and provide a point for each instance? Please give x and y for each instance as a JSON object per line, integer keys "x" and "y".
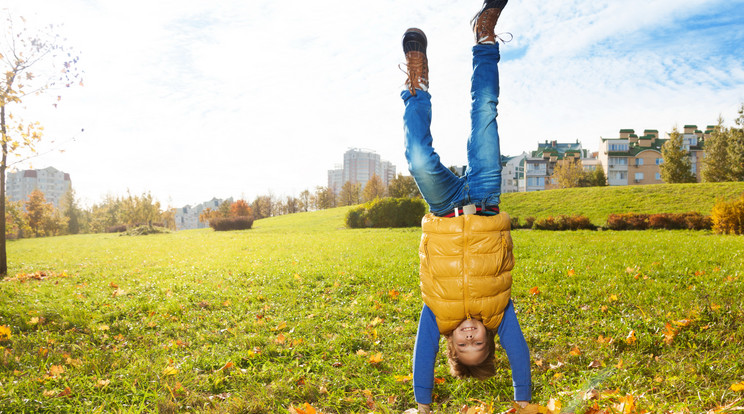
{"x": 466, "y": 247}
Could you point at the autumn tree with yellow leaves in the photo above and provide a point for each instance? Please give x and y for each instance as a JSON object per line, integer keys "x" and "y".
{"x": 32, "y": 62}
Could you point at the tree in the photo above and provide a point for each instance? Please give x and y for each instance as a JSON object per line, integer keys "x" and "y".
{"x": 138, "y": 210}
{"x": 716, "y": 166}
{"x": 350, "y": 194}
{"x": 597, "y": 178}
{"x": 168, "y": 218}
{"x": 43, "y": 218}
{"x": 403, "y": 186}
{"x": 31, "y": 64}
{"x": 325, "y": 197}
{"x": 736, "y": 148}
{"x": 240, "y": 208}
{"x": 72, "y": 212}
{"x": 106, "y": 214}
{"x": 224, "y": 209}
{"x": 206, "y": 215}
{"x": 374, "y": 188}
{"x": 305, "y": 200}
{"x": 16, "y": 225}
{"x": 292, "y": 205}
{"x": 263, "y": 206}
{"x": 677, "y": 167}
{"x": 568, "y": 173}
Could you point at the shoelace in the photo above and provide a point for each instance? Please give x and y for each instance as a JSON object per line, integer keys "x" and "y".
{"x": 504, "y": 41}
{"x": 415, "y": 72}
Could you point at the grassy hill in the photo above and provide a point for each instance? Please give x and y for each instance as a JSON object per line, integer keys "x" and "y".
{"x": 599, "y": 202}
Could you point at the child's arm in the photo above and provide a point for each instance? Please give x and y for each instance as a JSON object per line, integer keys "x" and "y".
{"x": 424, "y": 355}
{"x": 513, "y": 342}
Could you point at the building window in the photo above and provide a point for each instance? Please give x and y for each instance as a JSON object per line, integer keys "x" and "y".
{"x": 659, "y": 161}
{"x": 639, "y": 161}
{"x": 535, "y": 181}
{"x": 618, "y": 147}
{"x": 658, "y": 176}
{"x": 618, "y": 161}
{"x": 638, "y": 177}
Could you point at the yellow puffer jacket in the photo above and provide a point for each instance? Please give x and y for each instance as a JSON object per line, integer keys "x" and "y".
{"x": 465, "y": 268}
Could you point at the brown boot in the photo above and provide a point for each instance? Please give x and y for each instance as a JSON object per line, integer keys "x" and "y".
{"x": 485, "y": 21}
{"x": 414, "y": 46}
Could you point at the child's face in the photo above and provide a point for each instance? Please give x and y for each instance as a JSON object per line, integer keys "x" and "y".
{"x": 470, "y": 342}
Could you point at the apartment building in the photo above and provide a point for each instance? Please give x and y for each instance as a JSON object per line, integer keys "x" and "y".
{"x": 540, "y": 164}
{"x": 359, "y": 167}
{"x": 512, "y": 172}
{"x": 634, "y": 160}
{"x": 50, "y": 181}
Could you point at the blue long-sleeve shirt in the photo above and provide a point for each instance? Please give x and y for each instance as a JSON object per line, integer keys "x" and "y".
{"x": 427, "y": 346}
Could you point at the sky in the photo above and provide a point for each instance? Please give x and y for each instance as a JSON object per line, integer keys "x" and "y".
{"x": 194, "y": 99}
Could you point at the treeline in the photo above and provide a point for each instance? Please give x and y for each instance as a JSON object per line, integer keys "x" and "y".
{"x": 323, "y": 198}
{"x": 36, "y": 217}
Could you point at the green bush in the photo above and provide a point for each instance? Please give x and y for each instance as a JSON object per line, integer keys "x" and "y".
{"x": 728, "y": 216}
{"x": 387, "y": 212}
{"x": 231, "y": 223}
{"x": 144, "y": 230}
{"x": 356, "y": 217}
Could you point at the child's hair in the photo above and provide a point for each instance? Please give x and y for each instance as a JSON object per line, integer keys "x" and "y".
{"x": 482, "y": 371}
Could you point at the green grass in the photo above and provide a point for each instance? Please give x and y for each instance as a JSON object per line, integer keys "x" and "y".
{"x": 297, "y": 306}
{"x": 597, "y": 203}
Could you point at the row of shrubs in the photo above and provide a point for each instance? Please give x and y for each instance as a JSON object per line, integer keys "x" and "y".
{"x": 626, "y": 221}
{"x": 387, "y": 212}
{"x": 231, "y": 223}
{"x": 668, "y": 221}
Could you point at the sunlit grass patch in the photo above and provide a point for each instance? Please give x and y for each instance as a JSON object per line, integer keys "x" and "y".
{"x": 299, "y": 310}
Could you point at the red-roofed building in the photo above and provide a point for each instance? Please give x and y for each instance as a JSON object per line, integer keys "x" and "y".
{"x": 52, "y": 182}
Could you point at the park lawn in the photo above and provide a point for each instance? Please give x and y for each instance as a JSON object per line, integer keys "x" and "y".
{"x": 300, "y": 310}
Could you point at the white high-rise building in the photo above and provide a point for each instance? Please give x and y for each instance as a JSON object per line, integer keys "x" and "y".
{"x": 50, "y": 181}
{"x": 359, "y": 166}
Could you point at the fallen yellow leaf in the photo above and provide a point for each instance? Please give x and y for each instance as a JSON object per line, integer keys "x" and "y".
{"x": 55, "y": 370}
{"x": 170, "y": 370}
{"x": 403, "y": 378}
{"x": 375, "y": 358}
{"x": 102, "y": 383}
{"x": 4, "y": 332}
{"x": 738, "y": 387}
{"x": 631, "y": 338}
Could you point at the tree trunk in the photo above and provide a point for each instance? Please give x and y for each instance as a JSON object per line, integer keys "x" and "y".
{"x": 3, "y": 165}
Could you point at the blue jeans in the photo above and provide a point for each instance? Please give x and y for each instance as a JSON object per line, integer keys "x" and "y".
{"x": 481, "y": 184}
